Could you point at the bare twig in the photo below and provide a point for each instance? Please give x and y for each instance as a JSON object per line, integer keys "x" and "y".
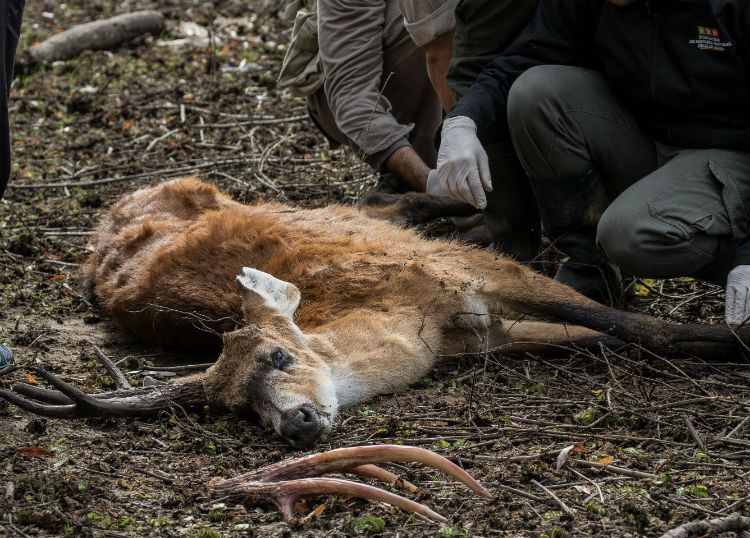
{"x": 564, "y": 507}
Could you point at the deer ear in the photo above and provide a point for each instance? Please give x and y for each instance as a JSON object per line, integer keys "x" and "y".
{"x": 273, "y": 293}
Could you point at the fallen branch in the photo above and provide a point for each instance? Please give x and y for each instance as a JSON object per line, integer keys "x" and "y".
{"x": 96, "y": 35}
{"x": 734, "y": 523}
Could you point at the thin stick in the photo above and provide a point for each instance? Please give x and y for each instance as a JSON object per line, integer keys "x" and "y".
{"x": 738, "y": 428}
{"x": 587, "y": 479}
{"x": 615, "y": 470}
{"x": 565, "y": 508}
{"x": 160, "y": 139}
{"x": 694, "y": 433}
{"x": 182, "y": 368}
{"x": 164, "y": 172}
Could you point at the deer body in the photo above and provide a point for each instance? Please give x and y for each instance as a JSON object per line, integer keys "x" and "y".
{"x": 332, "y": 307}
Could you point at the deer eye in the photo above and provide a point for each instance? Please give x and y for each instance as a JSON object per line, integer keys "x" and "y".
{"x": 280, "y": 359}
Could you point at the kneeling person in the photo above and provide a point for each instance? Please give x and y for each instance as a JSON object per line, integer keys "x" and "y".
{"x": 459, "y": 39}
{"x": 638, "y": 161}
{"x": 366, "y": 85}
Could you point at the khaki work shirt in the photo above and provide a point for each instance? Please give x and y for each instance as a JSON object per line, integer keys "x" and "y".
{"x": 353, "y": 35}
{"x": 426, "y": 20}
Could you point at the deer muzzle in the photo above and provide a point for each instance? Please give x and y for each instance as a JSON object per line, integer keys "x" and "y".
{"x": 303, "y": 426}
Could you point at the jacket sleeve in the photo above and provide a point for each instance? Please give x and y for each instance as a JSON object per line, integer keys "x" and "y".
{"x": 426, "y": 20}
{"x": 560, "y": 32}
{"x": 734, "y": 16}
{"x": 351, "y": 37}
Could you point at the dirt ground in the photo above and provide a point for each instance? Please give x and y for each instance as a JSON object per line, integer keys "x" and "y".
{"x": 657, "y": 442}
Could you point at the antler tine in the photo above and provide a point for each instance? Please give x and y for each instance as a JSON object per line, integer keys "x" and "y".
{"x": 286, "y": 493}
{"x": 287, "y": 481}
{"x": 75, "y": 394}
{"x": 46, "y": 410}
{"x": 347, "y": 459}
{"x": 114, "y": 372}
{"x": 8, "y": 369}
{"x": 41, "y": 394}
{"x": 378, "y": 473}
{"x": 71, "y": 402}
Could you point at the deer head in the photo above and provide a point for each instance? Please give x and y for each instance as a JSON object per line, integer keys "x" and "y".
{"x": 271, "y": 367}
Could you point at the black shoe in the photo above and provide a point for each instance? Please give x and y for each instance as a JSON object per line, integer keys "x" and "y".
{"x": 6, "y": 357}
{"x": 602, "y": 283}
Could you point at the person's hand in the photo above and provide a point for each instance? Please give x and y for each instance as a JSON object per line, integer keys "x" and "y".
{"x": 737, "y": 308}
{"x": 463, "y": 170}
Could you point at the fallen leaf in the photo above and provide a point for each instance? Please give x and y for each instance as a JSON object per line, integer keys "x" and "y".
{"x": 35, "y": 452}
{"x": 562, "y": 457}
{"x": 644, "y": 287}
{"x": 606, "y": 460}
{"x": 315, "y": 513}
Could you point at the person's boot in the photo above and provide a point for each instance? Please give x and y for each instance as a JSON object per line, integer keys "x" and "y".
{"x": 570, "y": 208}
{"x": 6, "y": 357}
{"x": 511, "y": 214}
{"x": 587, "y": 270}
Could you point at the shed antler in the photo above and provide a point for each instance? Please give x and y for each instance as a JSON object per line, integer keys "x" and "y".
{"x": 286, "y": 482}
{"x": 70, "y": 402}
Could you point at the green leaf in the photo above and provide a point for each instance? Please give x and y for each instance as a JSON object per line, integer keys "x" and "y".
{"x": 367, "y": 525}
{"x": 699, "y": 490}
{"x": 208, "y": 533}
{"x": 452, "y": 532}
{"x": 537, "y": 388}
{"x": 442, "y": 443}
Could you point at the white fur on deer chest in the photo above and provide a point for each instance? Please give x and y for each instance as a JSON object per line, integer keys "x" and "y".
{"x": 473, "y": 312}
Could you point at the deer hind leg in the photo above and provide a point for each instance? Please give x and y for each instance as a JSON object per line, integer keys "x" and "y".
{"x": 518, "y": 336}
{"x": 522, "y": 335}
{"x": 521, "y": 290}
{"x": 412, "y": 208}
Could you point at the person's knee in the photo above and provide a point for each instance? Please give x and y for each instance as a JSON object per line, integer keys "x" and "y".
{"x": 545, "y": 91}
{"x": 626, "y": 239}
{"x": 528, "y": 94}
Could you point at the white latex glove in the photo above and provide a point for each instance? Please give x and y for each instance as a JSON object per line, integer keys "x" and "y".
{"x": 737, "y": 308}
{"x": 433, "y": 184}
{"x": 463, "y": 169}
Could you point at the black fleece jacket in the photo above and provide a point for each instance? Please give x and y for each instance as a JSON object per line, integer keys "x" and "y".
{"x": 680, "y": 66}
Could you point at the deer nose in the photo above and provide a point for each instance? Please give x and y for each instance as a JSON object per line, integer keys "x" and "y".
{"x": 302, "y": 425}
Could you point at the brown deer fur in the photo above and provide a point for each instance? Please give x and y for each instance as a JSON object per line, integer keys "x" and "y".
{"x": 379, "y": 304}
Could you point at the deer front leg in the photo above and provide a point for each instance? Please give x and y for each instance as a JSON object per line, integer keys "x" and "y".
{"x": 412, "y": 208}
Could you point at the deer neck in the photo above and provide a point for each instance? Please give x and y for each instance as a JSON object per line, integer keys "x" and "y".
{"x": 367, "y": 361}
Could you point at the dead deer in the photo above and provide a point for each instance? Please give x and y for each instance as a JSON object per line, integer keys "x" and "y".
{"x": 314, "y": 309}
